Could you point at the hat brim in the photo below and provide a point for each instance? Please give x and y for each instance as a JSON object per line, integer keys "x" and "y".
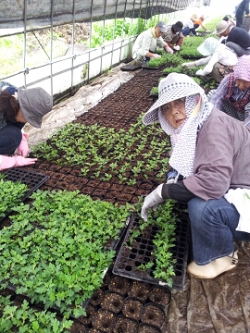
{"x": 25, "y": 108}
{"x": 151, "y": 116}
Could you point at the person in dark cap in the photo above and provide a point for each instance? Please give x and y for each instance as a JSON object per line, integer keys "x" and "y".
{"x": 173, "y": 36}
{"x": 147, "y": 42}
{"x": 18, "y": 106}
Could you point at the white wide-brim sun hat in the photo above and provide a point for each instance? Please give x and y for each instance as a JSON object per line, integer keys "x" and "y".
{"x": 175, "y": 86}
{"x": 208, "y": 47}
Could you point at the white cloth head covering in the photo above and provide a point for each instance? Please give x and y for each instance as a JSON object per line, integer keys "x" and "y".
{"x": 183, "y": 139}
{"x": 208, "y": 47}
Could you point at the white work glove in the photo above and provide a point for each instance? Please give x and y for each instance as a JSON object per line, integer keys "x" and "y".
{"x": 189, "y": 64}
{"x": 200, "y": 72}
{"x": 177, "y": 47}
{"x": 153, "y": 200}
{"x": 155, "y": 56}
{"x": 169, "y": 50}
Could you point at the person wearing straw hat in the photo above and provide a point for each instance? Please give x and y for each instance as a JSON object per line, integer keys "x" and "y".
{"x": 147, "y": 42}
{"x": 237, "y": 39}
{"x": 211, "y": 151}
{"x": 219, "y": 59}
{"x": 18, "y": 106}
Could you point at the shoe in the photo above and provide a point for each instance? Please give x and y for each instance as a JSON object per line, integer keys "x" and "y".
{"x": 214, "y": 268}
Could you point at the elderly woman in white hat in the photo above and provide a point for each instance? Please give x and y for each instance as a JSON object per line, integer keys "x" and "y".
{"x": 219, "y": 59}
{"x": 237, "y": 39}
{"x": 18, "y": 106}
{"x": 211, "y": 151}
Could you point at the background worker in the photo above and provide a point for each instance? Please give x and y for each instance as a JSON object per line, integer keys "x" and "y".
{"x": 237, "y": 39}
{"x": 233, "y": 94}
{"x": 219, "y": 59}
{"x": 147, "y": 42}
{"x": 189, "y": 26}
{"x": 199, "y": 23}
{"x": 173, "y": 36}
{"x": 211, "y": 151}
{"x": 18, "y": 106}
{"x": 239, "y": 15}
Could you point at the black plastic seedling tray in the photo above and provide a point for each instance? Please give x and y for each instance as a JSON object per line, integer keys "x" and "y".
{"x": 130, "y": 258}
{"x": 32, "y": 179}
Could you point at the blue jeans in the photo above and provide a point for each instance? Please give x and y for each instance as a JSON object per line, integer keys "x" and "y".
{"x": 10, "y": 139}
{"x": 213, "y": 225}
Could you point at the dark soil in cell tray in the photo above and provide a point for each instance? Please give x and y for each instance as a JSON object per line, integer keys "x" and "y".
{"x": 125, "y": 325}
{"x": 129, "y": 258}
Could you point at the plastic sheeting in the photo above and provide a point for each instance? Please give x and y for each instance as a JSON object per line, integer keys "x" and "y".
{"x": 220, "y": 305}
{"x": 33, "y": 14}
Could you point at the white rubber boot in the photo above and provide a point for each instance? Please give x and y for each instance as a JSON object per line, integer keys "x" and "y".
{"x": 214, "y": 268}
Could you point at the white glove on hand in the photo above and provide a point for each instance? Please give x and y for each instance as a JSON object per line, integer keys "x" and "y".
{"x": 200, "y": 72}
{"x": 169, "y": 50}
{"x": 189, "y": 64}
{"x": 177, "y": 47}
{"x": 155, "y": 56}
{"x": 151, "y": 201}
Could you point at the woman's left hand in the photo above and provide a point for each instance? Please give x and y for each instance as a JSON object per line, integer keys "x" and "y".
{"x": 153, "y": 200}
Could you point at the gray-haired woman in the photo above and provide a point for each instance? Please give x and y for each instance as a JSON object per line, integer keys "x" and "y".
{"x": 211, "y": 151}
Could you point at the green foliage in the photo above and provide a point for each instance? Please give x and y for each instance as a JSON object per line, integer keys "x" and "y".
{"x": 119, "y": 28}
{"x": 11, "y": 195}
{"x": 23, "y": 319}
{"x": 99, "y": 150}
{"x": 197, "y": 80}
{"x": 190, "y": 53}
{"x": 154, "y": 91}
{"x": 172, "y": 69}
{"x": 162, "y": 259}
{"x": 55, "y": 252}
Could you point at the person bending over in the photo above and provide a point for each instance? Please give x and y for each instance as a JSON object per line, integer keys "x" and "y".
{"x": 147, "y": 42}
{"x": 18, "y": 106}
